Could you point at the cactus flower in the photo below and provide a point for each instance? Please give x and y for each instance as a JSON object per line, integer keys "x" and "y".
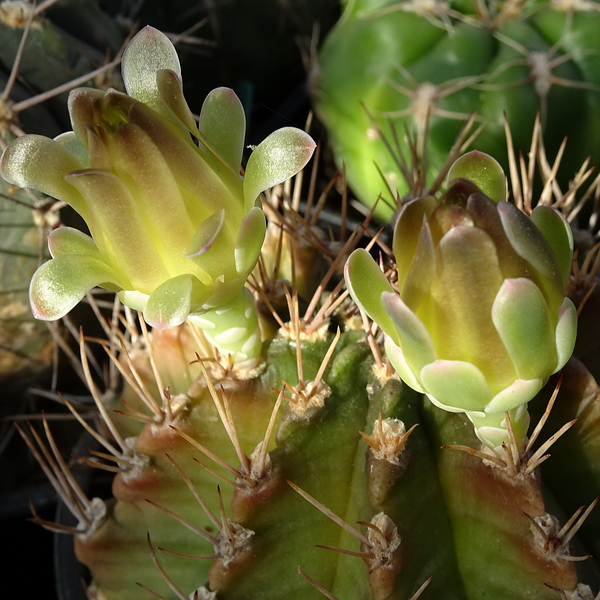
{"x": 175, "y": 229}
{"x": 479, "y": 319}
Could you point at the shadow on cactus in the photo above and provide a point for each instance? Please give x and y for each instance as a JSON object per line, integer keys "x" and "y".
{"x": 314, "y": 470}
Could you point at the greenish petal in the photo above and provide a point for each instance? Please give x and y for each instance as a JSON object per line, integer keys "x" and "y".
{"x": 406, "y": 233}
{"x": 456, "y": 385}
{"x": 558, "y": 234}
{"x": 366, "y": 283}
{"x": 37, "y": 162}
{"x": 66, "y": 240}
{"x": 519, "y": 392}
{"x": 530, "y": 244}
{"x": 223, "y": 123}
{"x": 520, "y": 315}
{"x": 85, "y": 105}
{"x": 206, "y": 183}
{"x": 148, "y": 52}
{"x": 119, "y": 229}
{"x": 422, "y": 269}
{"x": 172, "y": 301}
{"x": 213, "y": 250}
{"x": 413, "y": 337}
{"x": 277, "y": 158}
{"x": 206, "y": 234}
{"x": 71, "y": 142}
{"x": 250, "y": 240}
{"x": 134, "y": 299}
{"x": 60, "y": 284}
{"x": 396, "y": 358}
{"x": 566, "y": 332}
{"x": 223, "y": 292}
{"x": 140, "y": 163}
{"x": 484, "y": 171}
{"x": 457, "y": 312}
{"x": 168, "y": 83}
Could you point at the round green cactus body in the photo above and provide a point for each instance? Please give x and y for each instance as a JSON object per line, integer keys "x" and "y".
{"x": 389, "y": 65}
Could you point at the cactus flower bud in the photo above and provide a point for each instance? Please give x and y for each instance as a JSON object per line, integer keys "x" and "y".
{"x": 175, "y": 230}
{"x": 479, "y": 319}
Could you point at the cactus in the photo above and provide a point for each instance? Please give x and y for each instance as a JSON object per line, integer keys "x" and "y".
{"x": 390, "y": 65}
{"x": 303, "y": 465}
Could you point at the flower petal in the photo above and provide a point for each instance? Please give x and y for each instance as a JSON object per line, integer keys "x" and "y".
{"x": 413, "y": 337}
{"x": 520, "y": 315}
{"x": 118, "y": 225}
{"x": 406, "y": 233}
{"x": 366, "y": 283}
{"x": 71, "y": 142}
{"x": 277, "y": 158}
{"x": 396, "y": 357}
{"x": 558, "y": 234}
{"x": 223, "y": 123}
{"x": 519, "y": 392}
{"x": 148, "y": 52}
{"x": 58, "y": 285}
{"x": 457, "y": 311}
{"x": 172, "y": 301}
{"x": 484, "y": 171}
{"x": 249, "y": 241}
{"x": 456, "y": 385}
{"x": 530, "y": 244}
{"x": 84, "y": 104}
{"x": 206, "y": 182}
{"x": 37, "y": 162}
{"x": 206, "y": 234}
{"x": 134, "y": 299}
{"x": 422, "y": 269}
{"x": 566, "y": 332}
{"x": 66, "y": 240}
{"x": 169, "y": 89}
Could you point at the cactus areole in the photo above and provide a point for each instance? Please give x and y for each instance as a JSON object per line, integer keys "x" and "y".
{"x": 479, "y": 320}
{"x": 174, "y": 228}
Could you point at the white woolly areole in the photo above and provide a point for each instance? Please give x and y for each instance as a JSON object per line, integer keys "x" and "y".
{"x": 550, "y": 525}
{"x": 311, "y": 397}
{"x": 257, "y": 469}
{"x": 137, "y": 462}
{"x": 383, "y": 550}
{"x": 95, "y": 511}
{"x": 581, "y": 592}
{"x": 388, "y": 440}
{"x": 319, "y": 335}
{"x": 230, "y": 548}
{"x": 203, "y": 594}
